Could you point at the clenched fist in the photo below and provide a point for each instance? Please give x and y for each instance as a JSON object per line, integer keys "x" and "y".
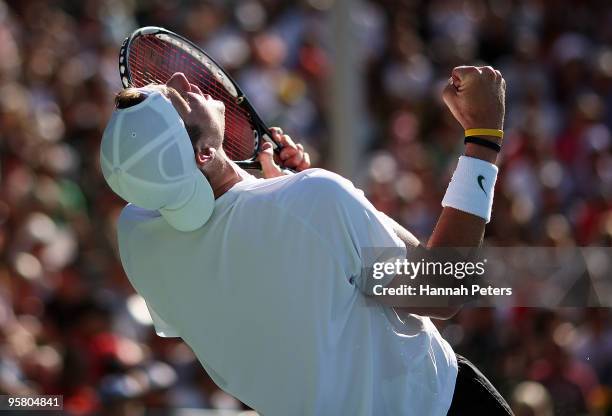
{"x": 476, "y": 96}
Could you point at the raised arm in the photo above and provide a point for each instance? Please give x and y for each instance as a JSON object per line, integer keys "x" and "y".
{"x": 476, "y": 98}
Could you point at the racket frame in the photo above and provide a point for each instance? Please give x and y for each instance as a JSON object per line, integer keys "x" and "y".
{"x": 261, "y": 132}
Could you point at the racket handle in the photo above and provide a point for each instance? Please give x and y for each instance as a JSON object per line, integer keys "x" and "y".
{"x": 277, "y": 149}
{"x": 254, "y": 165}
{"x": 275, "y": 146}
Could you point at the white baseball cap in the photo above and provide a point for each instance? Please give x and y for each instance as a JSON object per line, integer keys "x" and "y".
{"x": 148, "y": 160}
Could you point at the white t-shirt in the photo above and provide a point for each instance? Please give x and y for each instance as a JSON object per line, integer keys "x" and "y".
{"x": 266, "y": 296}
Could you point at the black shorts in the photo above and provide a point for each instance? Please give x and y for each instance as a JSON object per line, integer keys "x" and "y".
{"x": 475, "y": 395}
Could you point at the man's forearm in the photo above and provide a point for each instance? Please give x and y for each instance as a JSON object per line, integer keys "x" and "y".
{"x": 456, "y": 228}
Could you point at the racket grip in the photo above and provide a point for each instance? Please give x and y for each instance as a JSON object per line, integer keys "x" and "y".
{"x": 253, "y": 164}
{"x": 275, "y": 146}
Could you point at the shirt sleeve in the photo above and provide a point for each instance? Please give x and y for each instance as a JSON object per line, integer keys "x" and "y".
{"x": 373, "y": 239}
{"x": 359, "y": 234}
{"x": 162, "y": 328}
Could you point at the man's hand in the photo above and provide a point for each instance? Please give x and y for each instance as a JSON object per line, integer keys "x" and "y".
{"x": 476, "y": 97}
{"x": 291, "y": 156}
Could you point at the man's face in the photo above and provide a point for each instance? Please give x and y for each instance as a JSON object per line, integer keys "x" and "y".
{"x": 204, "y": 117}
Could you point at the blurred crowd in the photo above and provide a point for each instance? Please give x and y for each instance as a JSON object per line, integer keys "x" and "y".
{"x": 69, "y": 320}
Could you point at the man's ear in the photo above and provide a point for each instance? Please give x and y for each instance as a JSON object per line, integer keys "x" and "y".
{"x": 204, "y": 155}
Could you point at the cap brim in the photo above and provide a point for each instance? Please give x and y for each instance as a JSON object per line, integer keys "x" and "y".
{"x": 194, "y": 213}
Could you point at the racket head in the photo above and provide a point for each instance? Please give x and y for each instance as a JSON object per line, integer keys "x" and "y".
{"x": 152, "y": 54}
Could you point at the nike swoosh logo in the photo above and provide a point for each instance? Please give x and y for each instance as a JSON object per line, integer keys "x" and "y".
{"x": 480, "y": 179}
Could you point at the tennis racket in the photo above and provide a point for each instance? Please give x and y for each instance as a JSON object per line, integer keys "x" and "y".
{"x": 152, "y": 54}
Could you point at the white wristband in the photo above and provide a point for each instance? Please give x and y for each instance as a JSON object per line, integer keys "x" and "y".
{"x": 471, "y": 188}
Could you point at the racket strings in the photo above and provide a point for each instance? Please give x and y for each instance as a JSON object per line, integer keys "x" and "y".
{"x": 152, "y": 60}
{"x": 235, "y": 143}
{"x": 193, "y": 70}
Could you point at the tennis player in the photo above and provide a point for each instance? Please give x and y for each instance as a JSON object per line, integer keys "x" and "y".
{"x": 263, "y": 278}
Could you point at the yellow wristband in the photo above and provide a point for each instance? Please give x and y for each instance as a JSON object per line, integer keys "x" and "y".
{"x": 484, "y": 132}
